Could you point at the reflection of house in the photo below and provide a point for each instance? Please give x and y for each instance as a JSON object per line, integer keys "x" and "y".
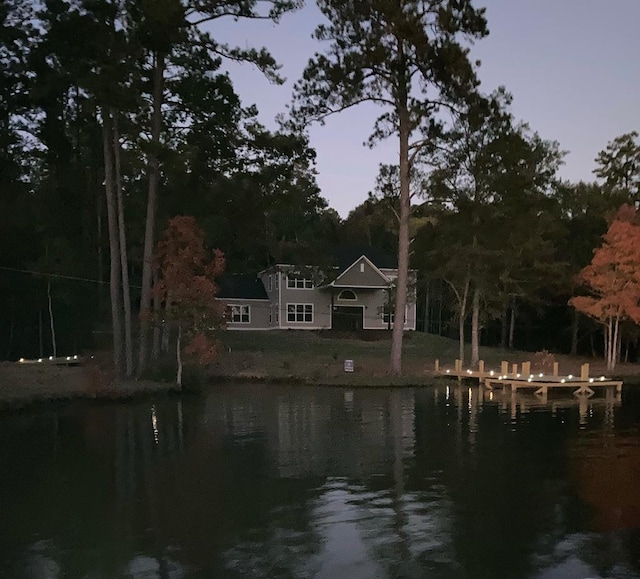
{"x": 357, "y": 293}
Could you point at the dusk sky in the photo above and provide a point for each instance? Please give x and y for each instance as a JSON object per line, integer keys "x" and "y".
{"x": 573, "y": 67}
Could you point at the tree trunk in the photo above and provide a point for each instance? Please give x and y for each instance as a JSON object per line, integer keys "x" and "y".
{"x": 124, "y": 262}
{"x": 51, "y": 324}
{"x": 152, "y": 198}
{"x": 575, "y": 326}
{"x": 403, "y": 230}
{"x": 504, "y": 326}
{"x": 114, "y": 246}
{"x": 157, "y": 306}
{"x": 475, "y": 327}
{"x": 512, "y": 324}
{"x": 427, "y": 305}
{"x": 462, "y": 300}
{"x": 179, "y": 356}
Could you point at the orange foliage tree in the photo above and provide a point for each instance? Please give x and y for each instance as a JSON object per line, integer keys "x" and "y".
{"x": 612, "y": 280}
{"x": 186, "y": 289}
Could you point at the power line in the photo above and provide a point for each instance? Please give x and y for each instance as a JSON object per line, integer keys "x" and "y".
{"x": 60, "y": 276}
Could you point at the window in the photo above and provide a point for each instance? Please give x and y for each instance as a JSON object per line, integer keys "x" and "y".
{"x": 300, "y": 313}
{"x": 386, "y": 315}
{"x": 277, "y": 280}
{"x": 270, "y": 283}
{"x": 240, "y": 314}
{"x": 299, "y": 283}
{"x": 347, "y": 295}
{"x": 362, "y": 268}
{"x": 277, "y": 312}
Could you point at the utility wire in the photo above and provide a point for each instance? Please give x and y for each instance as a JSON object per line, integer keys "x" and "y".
{"x": 60, "y": 276}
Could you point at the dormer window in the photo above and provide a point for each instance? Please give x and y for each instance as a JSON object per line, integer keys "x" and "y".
{"x": 347, "y": 295}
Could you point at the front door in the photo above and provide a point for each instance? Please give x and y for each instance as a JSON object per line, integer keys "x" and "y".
{"x": 347, "y": 318}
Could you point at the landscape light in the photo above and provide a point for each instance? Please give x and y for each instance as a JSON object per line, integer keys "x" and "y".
{"x": 491, "y": 373}
{"x": 517, "y": 375}
{"x": 21, "y": 360}
{"x": 448, "y": 371}
{"x": 541, "y": 375}
{"x": 75, "y": 357}
{"x": 601, "y": 378}
{"x": 50, "y": 357}
{"x": 530, "y": 380}
{"x": 591, "y": 380}
{"x": 562, "y": 381}
{"x": 39, "y": 359}
{"x": 570, "y": 376}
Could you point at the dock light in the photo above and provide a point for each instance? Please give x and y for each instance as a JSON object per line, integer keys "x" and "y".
{"x": 468, "y": 371}
{"x": 562, "y": 381}
{"x": 570, "y": 376}
{"x": 591, "y": 380}
{"x": 39, "y": 359}
{"x": 530, "y": 375}
{"x": 601, "y": 378}
{"x": 517, "y": 375}
{"x": 530, "y": 380}
{"x": 75, "y": 357}
{"x": 21, "y": 360}
{"x": 50, "y": 357}
{"x": 68, "y": 357}
{"x": 491, "y": 373}
{"x": 448, "y": 371}
{"x": 540, "y": 375}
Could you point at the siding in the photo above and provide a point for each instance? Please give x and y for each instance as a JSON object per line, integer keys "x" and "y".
{"x": 354, "y": 277}
{"x": 258, "y": 314}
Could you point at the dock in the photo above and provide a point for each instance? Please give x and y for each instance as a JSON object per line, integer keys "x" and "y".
{"x": 55, "y": 361}
{"x": 520, "y": 376}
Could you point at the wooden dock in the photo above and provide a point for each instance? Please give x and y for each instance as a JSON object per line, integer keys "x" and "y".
{"x": 55, "y": 361}
{"x": 520, "y": 376}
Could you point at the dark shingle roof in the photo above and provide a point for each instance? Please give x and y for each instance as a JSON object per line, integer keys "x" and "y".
{"x": 345, "y": 256}
{"x": 241, "y": 286}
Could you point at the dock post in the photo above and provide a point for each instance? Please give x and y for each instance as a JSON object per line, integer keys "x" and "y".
{"x": 584, "y": 372}
{"x": 515, "y": 369}
{"x": 504, "y": 367}
{"x": 481, "y": 370}
{"x": 526, "y": 368}
{"x": 555, "y": 368}
{"x": 437, "y": 365}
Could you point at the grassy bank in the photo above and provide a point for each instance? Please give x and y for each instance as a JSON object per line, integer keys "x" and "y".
{"x": 22, "y": 384}
{"x": 296, "y": 357}
{"x": 318, "y": 357}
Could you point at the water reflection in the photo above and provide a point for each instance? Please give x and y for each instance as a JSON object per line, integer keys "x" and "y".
{"x": 257, "y": 481}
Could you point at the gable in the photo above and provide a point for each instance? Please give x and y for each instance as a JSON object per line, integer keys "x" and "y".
{"x": 361, "y": 273}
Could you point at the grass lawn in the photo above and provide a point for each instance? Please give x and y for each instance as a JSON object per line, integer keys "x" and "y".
{"x": 319, "y": 356}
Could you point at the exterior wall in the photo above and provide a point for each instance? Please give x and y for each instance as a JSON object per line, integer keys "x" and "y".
{"x": 353, "y": 276}
{"x": 321, "y": 301}
{"x": 258, "y": 314}
{"x": 271, "y": 279}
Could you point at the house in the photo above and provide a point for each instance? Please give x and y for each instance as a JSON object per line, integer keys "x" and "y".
{"x": 354, "y": 294}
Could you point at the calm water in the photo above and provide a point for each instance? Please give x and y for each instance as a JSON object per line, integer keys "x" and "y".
{"x": 260, "y": 481}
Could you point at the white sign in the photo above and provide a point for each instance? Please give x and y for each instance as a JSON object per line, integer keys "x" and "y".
{"x": 348, "y": 365}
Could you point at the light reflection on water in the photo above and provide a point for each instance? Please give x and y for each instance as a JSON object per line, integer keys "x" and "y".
{"x": 262, "y": 481}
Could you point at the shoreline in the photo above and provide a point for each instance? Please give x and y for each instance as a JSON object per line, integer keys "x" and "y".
{"x": 24, "y": 385}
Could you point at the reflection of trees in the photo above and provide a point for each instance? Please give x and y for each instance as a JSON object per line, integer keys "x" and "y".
{"x": 255, "y": 481}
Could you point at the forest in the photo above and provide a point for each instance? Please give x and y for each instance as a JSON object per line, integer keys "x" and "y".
{"x": 117, "y": 116}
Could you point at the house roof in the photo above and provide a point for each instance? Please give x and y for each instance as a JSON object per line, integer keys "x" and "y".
{"x": 241, "y": 286}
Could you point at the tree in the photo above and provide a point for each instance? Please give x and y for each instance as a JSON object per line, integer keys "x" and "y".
{"x": 618, "y": 166}
{"x": 406, "y": 57}
{"x": 165, "y": 29}
{"x": 186, "y": 286}
{"x": 613, "y": 280}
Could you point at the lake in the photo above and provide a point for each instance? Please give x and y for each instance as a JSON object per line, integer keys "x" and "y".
{"x": 271, "y": 481}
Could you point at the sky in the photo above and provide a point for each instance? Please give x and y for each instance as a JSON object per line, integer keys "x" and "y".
{"x": 572, "y": 66}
